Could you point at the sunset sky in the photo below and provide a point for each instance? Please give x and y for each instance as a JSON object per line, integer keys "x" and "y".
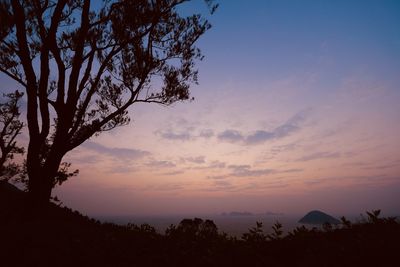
{"x": 297, "y": 108}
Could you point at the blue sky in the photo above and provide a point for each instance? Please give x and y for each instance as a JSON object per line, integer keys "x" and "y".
{"x": 276, "y": 38}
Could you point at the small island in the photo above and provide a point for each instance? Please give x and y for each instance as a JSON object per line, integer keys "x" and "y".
{"x": 317, "y": 217}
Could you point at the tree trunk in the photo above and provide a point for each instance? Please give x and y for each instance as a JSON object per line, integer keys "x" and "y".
{"x": 40, "y": 187}
{"x": 41, "y": 180}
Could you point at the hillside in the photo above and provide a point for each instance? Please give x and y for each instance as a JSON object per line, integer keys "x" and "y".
{"x": 317, "y": 217}
{"x": 58, "y": 236}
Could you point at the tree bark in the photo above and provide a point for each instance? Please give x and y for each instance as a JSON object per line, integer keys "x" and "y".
{"x": 39, "y": 190}
{"x": 41, "y": 180}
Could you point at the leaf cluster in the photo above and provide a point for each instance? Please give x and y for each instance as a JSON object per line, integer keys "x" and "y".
{"x": 10, "y": 128}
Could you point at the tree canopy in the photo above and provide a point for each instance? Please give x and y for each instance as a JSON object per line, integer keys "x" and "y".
{"x": 83, "y": 65}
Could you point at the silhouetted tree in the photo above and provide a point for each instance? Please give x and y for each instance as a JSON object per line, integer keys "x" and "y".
{"x": 277, "y": 231}
{"x": 255, "y": 234}
{"x": 345, "y": 222}
{"x": 106, "y": 58}
{"x": 10, "y": 127}
{"x": 194, "y": 229}
{"x": 373, "y": 216}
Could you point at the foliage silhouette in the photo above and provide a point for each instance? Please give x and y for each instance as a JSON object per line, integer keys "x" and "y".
{"x": 346, "y": 223}
{"x": 194, "y": 229}
{"x": 106, "y": 59}
{"x": 277, "y": 231}
{"x": 10, "y": 128}
{"x": 255, "y": 234}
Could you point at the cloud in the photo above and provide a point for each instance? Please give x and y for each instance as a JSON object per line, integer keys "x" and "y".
{"x": 216, "y": 164}
{"x": 231, "y": 136}
{"x": 181, "y": 136}
{"x": 121, "y": 169}
{"x": 320, "y": 155}
{"x": 247, "y": 171}
{"x": 197, "y": 160}
{"x": 83, "y": 158}
{"x": 284, "y": 148}
{"x": 291, "y": 170}
{"x": 220, "y": 185}
{"x": 206, "y": 133}
{"x": 173, "y": 173}
{"x": 121, "y": 153}
{"x": 223, "y": 185}
{"x": 290, "y": 126}
{"x": 217, "y": 177}
{"x": 357, "y": 164}
{"x": 384, "y": 166}
{"x": 161, "y": 164}
{"x": 260, "y": 136}
{"x": 186, "y": 134}
{"x": 285, "y": 130}
{"x": 238, "y": 167}
{"x": 165, "y": 187}
{"x": 243, "y": 171}
{"x": 356, "y": 180}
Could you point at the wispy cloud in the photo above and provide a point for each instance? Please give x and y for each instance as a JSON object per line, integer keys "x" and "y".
{"x": 206, "y": 133}
{"x": 84, "y": 158}
{"x": 356, "y": 180}
{"x": 171, "y": 173}
{"x": 121, "y": 153}
{"x": 239, "y": 167}
{"x": 223, "y": 185}
{"x": 291, "y": 170}
{"x": 180, "y": 136}
{"x": 122, "y": 168}
{"x": 391, "y": 165}
{"x": 248, "y": 171}
{"x": 231, "y": 136}
{"x": 165, "y": 187}
{"x": 189, "y": 133}
{"x": 197, "y": 160}
{"x": 260, "y": 136}
{"x": 160, "y": 164}
{"x": 217, "y": 177}
{"x": 216, "y": 164}
{"x": 284, "y": 148}
{"x": 320, "y": 155}
{"x": 220, "y": 185}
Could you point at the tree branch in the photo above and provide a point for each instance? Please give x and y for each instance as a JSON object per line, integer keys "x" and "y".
{"x": 77, "y": 60}
{"x": 24, "y": 55}
{"x": 12, "y": 76}
{"x": 55, "y": 20}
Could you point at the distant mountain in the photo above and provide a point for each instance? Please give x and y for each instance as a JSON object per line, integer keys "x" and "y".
{"x": 318, "y": 217}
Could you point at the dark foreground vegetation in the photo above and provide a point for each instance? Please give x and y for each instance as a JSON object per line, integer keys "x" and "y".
{"x": 58, "y": 236}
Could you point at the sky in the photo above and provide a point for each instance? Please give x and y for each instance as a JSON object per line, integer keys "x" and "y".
{"x": 297, "y": 109}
